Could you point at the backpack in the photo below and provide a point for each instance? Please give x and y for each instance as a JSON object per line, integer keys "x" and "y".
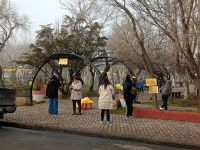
{"x": 133, "y": 91}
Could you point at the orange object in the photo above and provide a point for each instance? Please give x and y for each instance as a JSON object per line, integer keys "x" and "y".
{"x": 43, "y": 88}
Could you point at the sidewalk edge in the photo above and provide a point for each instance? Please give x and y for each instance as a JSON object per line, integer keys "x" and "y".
{"x": 92, "y": 134}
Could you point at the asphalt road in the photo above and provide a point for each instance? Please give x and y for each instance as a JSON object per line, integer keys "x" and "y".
{"x": 24, "y": 139}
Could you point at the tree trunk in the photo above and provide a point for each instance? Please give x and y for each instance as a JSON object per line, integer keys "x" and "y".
{"x": 92, "y": 79}
{"x": 198, "y": 95}
{"x": 118, "y": 76}
{"x": 186, "y": 87}
{"x": 155, "y": 101}
{"x": 1, "y": 78}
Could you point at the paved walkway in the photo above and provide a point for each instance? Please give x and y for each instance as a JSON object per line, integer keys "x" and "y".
{"x": 147, "y": 130}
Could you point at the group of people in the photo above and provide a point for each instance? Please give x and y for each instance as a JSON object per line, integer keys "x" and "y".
{"x": 52, "y": 94}
{"x": 106, "y": 96}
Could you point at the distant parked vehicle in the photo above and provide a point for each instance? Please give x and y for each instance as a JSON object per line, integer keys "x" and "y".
{"x": 7, "y": 101}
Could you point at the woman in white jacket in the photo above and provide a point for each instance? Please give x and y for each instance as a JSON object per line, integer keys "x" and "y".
{"x": 106, "y": 94}
{"x": 76, "y": 94}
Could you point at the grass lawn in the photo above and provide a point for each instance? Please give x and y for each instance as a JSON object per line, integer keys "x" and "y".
{"x": 21, "y": 92}
{"x": 119, "y": 111}
{"x": 178, "y": 102}
{"x": 22, "y": 102}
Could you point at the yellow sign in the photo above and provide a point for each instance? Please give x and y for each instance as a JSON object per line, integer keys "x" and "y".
{"x": 153, "y": 89}
{"x": 151, "y": 82}
{"x": 63, "y": 61}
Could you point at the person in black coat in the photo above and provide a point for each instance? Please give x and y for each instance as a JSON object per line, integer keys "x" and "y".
{"x": 128, "y": 96}
{"x": 52, "y": 94}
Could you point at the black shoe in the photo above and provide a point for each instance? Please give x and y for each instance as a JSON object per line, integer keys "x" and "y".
{"x": 73, "y": 113}
{"x": 79, "y": 113}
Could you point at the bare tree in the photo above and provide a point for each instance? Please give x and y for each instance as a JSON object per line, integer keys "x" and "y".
{"x": 143, "y": 41}
{"x": 137, "y": 32}
{"x": 9, "y": 22}
{"x": 178, "y": 20}
{"x": 91, "y": 11}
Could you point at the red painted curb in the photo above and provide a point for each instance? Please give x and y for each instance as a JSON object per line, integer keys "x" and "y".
{"x": 167, "y": 115}
{"x": 37, "y": 92}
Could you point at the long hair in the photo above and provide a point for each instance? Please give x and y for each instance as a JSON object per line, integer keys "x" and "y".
{"x": 106, "y": 82}
{"x": 52, "y": 79}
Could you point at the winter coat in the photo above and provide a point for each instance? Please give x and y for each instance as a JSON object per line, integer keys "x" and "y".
{"x": 166, "y": 89}
{"x": 127, "y": 87}
{"x": 76, "y": 90}
{"x": 106, "y": 97}
{"x": 141, "y": 84}
{"x": 52, "y": 89}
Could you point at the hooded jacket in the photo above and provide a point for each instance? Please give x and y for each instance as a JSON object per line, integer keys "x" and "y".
{"x": 127, "y": 87}
{"x": 76, "y": 90}
{"x": 166, "y": 89}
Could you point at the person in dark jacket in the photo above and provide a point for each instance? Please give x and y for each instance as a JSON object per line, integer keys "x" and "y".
{"x": 166, "y": 91}
{"x": 128, "y": 95}
{"x": 52, "y": 94}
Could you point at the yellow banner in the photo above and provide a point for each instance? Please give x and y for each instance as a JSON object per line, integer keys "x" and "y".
{"x": 151, "y": 82}
{"x": 153, "y": 89}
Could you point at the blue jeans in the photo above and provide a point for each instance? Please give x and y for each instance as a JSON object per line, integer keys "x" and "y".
{"x": 53, "y": 106}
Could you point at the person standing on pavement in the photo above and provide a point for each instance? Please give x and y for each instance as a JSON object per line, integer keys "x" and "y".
{"x": 52, "y": 94}
{"x": 166, "y": 91}
{"x": 76, "y": 94}
{"x": 141, "y": 85}
{"x": 128, "y": 95}
{"x": 106, "y": 97}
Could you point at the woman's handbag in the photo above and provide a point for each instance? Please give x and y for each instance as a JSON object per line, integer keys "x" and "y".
{"x": 114, "y": 104}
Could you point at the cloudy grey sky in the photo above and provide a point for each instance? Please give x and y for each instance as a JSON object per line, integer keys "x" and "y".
{"x": 40, "y": 12}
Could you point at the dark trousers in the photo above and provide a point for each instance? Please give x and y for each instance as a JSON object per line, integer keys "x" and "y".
{"x": 141, "y": 89}
{"x": 74, "y": 105}
{"x": 129, "y": 104}
{"x": 165, "y": 99}
{"x": 107, "y": 114}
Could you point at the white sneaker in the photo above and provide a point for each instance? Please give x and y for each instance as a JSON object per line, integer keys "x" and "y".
{"x": 161, "y": 108}
{"x": 108, "y": 122}
{"x": 102, "y": 122}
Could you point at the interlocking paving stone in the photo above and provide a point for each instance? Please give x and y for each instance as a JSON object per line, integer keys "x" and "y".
{"x": 186, "y": 133}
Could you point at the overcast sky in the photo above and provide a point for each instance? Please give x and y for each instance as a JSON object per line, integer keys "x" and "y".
{"x": 40, "y": 12}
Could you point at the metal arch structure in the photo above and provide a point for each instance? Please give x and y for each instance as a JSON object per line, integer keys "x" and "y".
{"x": 56, "y": 57}
{"x": 115, "y": 61}
{"x": 112, "y": 60}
